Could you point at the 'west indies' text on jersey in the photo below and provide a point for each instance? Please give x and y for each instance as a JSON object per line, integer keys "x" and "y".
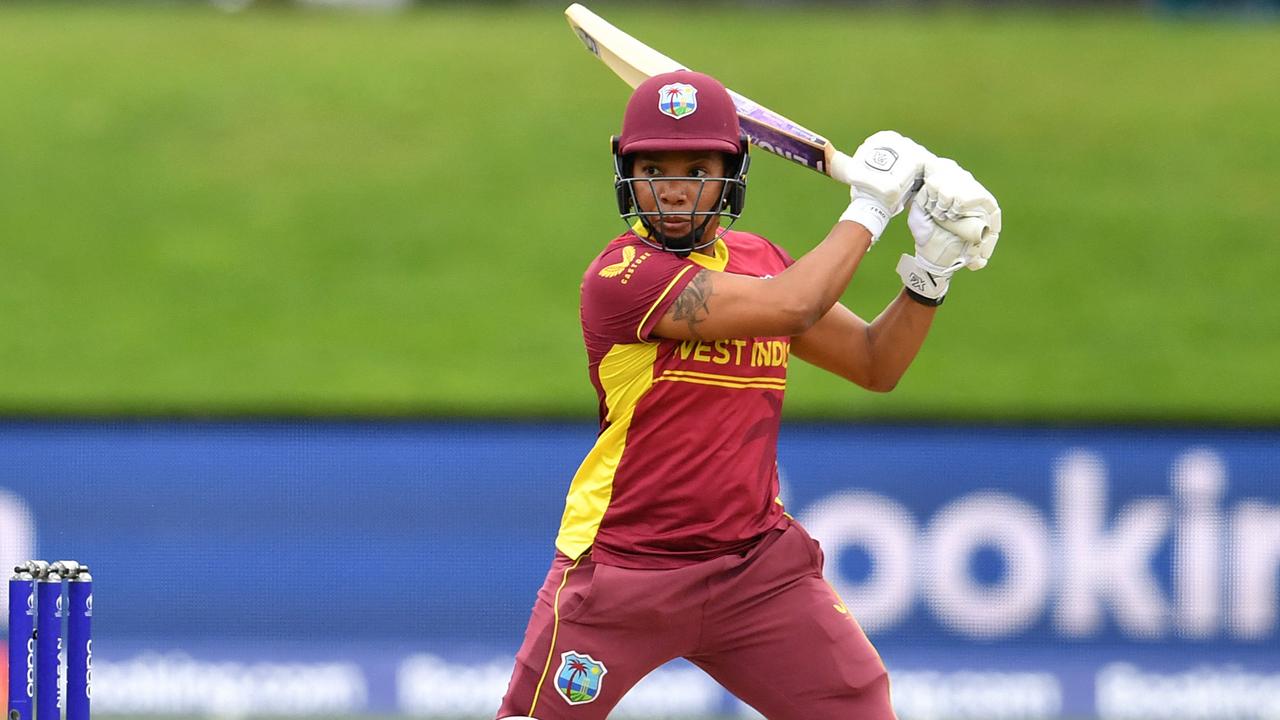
{"x": 685, "y": 466}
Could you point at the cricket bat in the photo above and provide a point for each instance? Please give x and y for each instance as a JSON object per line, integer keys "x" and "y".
{"x": 635, "y": 62}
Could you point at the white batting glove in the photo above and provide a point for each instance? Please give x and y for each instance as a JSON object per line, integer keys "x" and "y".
{"x": 955, "y": 222}
{"x": 959, "y": 203}
{"x": 927, "y": 274}
{"x": 881, "y": 174}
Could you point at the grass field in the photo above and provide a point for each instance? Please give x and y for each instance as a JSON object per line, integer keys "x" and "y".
{"x": 281, "y": 212}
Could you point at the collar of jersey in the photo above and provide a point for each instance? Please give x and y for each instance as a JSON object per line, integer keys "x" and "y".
{"x": 718, "y": 261}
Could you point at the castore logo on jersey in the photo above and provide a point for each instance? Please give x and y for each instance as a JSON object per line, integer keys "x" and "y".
{"x": 614, "y": 270}
{"x": 627, "y": 264}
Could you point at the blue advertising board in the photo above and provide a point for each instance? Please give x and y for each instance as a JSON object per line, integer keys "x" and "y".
{"x": 347, "y": 567}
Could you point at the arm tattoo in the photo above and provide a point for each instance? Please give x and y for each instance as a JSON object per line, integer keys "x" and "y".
{"x": 692, "y": 305}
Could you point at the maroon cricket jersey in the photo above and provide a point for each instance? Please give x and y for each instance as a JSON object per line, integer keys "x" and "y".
{"x": 685, "y": 466}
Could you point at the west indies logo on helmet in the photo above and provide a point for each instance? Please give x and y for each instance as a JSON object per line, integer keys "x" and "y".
{"x": 689, "y": 111}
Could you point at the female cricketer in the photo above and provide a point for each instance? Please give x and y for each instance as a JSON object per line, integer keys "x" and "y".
{"x": 674, "y": 542}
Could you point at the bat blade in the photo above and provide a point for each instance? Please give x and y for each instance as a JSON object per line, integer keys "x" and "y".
{"x": 774, "y": 133}
{"x": 635, "y": 62}
{"x": 630, "y": 59}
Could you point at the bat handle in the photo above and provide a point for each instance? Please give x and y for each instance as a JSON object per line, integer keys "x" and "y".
{"x": 837, "y": 164}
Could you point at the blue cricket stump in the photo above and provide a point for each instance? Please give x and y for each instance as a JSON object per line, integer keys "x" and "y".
{"x": 79, "y": 644}
{"x": 49, "y": 645}
{"x": 22, "y": 642}
{"x": 36, "y": 612}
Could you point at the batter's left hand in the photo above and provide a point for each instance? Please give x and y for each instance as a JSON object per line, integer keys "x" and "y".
{"x": 927, "y": 274}
{"x": 955, "y": 223}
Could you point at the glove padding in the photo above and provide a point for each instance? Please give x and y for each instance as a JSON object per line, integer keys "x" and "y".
{"x": 960, "y": 204}
{"x": 881, "y": 174}
{"x": 955, "y": 222}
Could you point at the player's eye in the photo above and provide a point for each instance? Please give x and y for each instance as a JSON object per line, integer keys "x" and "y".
{"x": 698, "y": 172}
{"x": 650, "y": 170}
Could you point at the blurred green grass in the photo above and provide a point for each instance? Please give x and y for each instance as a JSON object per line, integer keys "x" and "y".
{"x": 287, "y": 212}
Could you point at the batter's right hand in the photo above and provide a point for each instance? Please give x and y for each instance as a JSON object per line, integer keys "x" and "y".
{"x": 882, "y": 174}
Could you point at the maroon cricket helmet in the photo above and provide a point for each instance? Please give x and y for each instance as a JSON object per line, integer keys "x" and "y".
{"x": 681, "y": 110}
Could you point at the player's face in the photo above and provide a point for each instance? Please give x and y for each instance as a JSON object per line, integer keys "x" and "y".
{"x": 679, "y": 198}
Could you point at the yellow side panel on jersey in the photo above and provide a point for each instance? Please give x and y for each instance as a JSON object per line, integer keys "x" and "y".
{"x": 626, "y": 374}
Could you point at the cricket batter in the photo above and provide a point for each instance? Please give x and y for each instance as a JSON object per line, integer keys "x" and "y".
{"x": 674, "y": 542}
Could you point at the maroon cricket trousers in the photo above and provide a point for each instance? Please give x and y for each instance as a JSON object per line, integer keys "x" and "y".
{"x": 763, "y": 623}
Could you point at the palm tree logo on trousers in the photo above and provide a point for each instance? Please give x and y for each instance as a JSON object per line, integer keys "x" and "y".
{"x": 580, "y": 677}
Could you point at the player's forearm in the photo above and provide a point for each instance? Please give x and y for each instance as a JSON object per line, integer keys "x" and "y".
{"x": 881, "y": 175}
{"x": 894, "y": 338}
{"x": 815, "y": 282}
